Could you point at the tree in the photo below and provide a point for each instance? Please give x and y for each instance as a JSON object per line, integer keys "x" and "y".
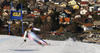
{"x": 96, "y": 16}
{"x": 62, "y": 37}
{"x": 37, "y": 22}
{"x": 45, "y": 28}
{"x": 1, "y": 22}
{"x": 55, "y": 20}
{"x": 75, "y": 28}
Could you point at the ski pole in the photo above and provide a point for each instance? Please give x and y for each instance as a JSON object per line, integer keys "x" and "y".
{"x": 21, "y": 43}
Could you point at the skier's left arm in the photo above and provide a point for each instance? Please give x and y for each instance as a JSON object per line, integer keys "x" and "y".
{"x": 36, "y": 29}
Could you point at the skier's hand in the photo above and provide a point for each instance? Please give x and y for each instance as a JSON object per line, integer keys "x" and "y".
{"x": 24, "y": 40}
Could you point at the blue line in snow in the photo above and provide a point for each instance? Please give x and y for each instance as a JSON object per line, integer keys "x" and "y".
{"x": 4, "y": 39}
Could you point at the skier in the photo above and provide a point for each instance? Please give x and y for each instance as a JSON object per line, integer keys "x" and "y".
{"x": 33, "y": 36}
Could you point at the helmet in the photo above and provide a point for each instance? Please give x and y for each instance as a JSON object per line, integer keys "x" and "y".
{"x": 30, "y": 25}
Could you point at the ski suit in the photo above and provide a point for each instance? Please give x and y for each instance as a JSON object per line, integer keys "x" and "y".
{"x": 33, "y": 36}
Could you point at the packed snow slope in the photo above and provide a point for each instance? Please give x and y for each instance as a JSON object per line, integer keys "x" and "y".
{"x": 11, "y": 44}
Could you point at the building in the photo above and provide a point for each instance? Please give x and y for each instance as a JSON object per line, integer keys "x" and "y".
{"x": 1, "y": 1}
{"x": 87, "y": 27}
{"x": 75, "y": 7}
{"x": 72, "y": 2}
{"x": 6, "y": 8}
{"x": 96, "y": 24}
{"x": 77, "y": 16}
{"x": 42, "y": 0}
{"x": 63, "y": 4}
{"x": 98, "y": 3}
{"x": 6, "y": 11}
{"x": 84, "y": 0}
{"x": 91, "y": 8}
{"x": 98, "y": 0}
{"x": 83, "y": 11}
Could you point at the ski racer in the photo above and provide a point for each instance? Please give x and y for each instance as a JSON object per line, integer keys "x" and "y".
{"x": 33, "y": 36}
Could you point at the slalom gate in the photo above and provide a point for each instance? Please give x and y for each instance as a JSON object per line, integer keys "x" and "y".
{"x": 16, "y": 15}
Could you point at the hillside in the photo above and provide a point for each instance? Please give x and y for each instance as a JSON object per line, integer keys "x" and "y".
{"x": 10, "y": 44}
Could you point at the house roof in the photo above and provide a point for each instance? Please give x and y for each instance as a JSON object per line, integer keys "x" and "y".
{"x": 44, "y": 17}
{"x": 98, "y": 3}
{"x": 36, "y": 10}
{"x": 84, "y": 8}
{"x": 69, "y": 12}
{"x": 88, "y": 24}
{"x": 84, "y": 2}
{"x": 87, "y": 13}
{"x": 0, "y": 13}
{"x": 67, "y": 19}
{"x": 31, "y": 15}
{"x": 6, "y": 7}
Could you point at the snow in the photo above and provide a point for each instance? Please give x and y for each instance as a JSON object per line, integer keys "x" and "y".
{"x": 11, "y": 44}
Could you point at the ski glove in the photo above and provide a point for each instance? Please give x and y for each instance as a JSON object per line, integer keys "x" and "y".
{"x": 24, "y": 40}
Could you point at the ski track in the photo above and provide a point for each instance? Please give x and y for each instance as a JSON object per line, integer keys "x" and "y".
{"x": 10, "y": 44}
